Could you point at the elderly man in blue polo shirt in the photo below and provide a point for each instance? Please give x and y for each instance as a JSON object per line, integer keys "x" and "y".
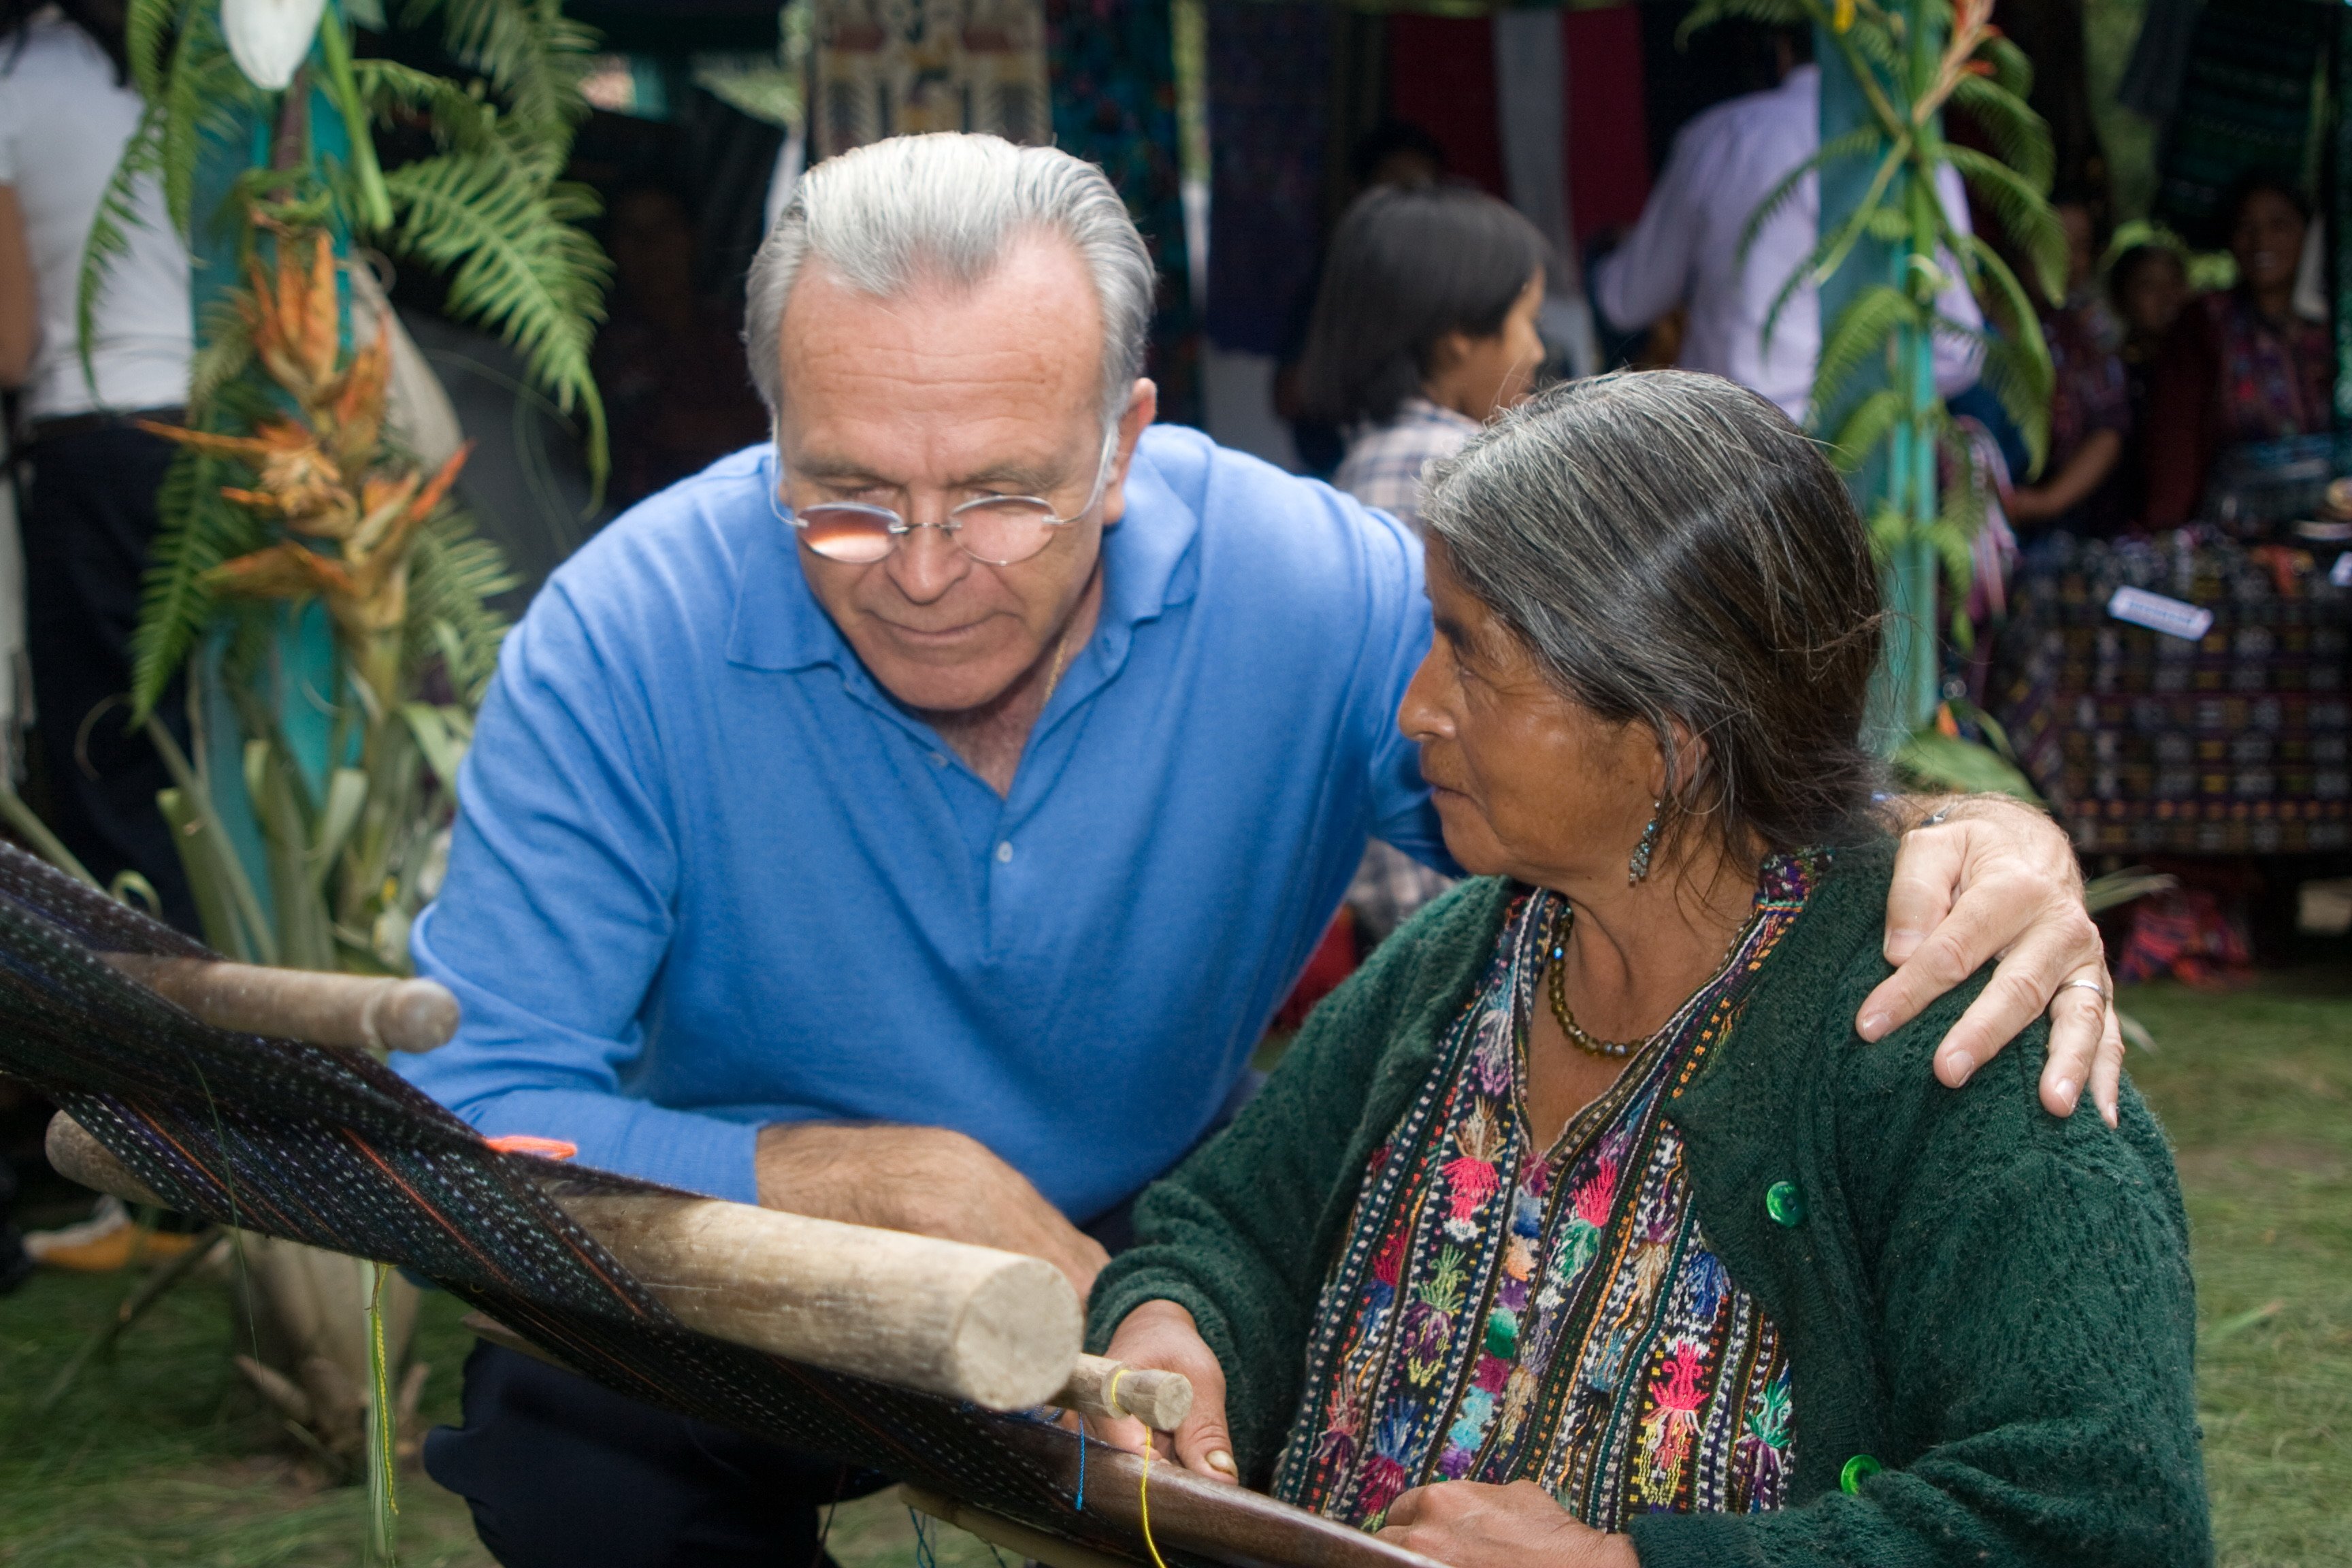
{"x": 916, "y": 823}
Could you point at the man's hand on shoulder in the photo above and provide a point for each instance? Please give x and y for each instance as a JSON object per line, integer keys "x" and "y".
{"x": 927, "y": 1180}
{"x": 1983, "y": 877}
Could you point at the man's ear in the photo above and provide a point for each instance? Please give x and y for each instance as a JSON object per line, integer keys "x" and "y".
{"x": 1142, "y": 407}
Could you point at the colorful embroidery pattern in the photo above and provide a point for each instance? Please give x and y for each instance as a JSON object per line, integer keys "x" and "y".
{"x": 1505, "y": 1312}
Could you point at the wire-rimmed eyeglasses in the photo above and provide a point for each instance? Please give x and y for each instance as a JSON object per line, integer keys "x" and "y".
{"x": 998, "y": 531}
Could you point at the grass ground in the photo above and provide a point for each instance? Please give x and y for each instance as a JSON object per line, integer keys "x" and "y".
{"x": 163, "y": 1457}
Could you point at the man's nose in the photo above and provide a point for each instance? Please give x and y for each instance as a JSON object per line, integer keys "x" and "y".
{"x": 928, "y": 564}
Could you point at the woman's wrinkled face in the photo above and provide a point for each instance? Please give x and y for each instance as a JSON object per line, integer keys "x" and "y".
{"x": 2267, "y": 241}
{"x": 1528, "y": 782}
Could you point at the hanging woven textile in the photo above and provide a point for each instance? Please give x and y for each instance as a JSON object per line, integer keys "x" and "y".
{"x": 900, "y": 68}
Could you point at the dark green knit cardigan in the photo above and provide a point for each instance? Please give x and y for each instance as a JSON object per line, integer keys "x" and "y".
{"x": 1992, "y": 1304}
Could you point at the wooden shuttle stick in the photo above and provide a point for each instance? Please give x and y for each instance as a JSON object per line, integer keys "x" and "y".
{"x": 1114, "y": 1391}
{"x": 378, "y": 1012}
{"x": 971, "y": 1322}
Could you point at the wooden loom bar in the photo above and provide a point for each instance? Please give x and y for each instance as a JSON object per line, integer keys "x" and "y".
{"x": 998, "y": 1329}
{"x": 375, "y": 1013}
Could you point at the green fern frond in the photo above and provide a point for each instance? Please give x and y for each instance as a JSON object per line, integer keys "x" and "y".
{"x": 1860, "y": 337}
{"x": 2011, "y": 67}
{"x": 110, "y": 231}
{"x": 1854, "y": 143}
{"x": 1868, "y": 425}
{"x": 147, "y": 28}
{"x": 2021, "y": 386}
{"x": 461, "y": 122}
{"x": 2021, "y": 136}
{"x": 226, "y": 353}
{"x": 1769, "y": 13}
{"x": 530, "y": 54}
{"x": 519, "y": 264}
{"x": 2025, "y": 217}
{"x": 453, "y": 575}
{"x": 1828, "y": 253}
{"x": 197, "y": 530}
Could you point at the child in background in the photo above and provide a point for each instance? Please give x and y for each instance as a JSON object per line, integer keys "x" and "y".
{"x": 1424, "y": 328}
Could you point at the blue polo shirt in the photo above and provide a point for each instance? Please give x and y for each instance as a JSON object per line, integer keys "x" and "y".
{"x": 707, "y": 874}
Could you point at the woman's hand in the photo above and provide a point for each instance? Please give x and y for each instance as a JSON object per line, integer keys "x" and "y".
{"x": 1472, "y": 1525}
{"x": 1162, "y": 1335}
{"x": 1997, "y": 879}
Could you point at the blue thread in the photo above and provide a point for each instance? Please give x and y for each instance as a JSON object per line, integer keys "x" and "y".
{"x": 1082, "y": 1470}
{"x": 924, "y": 1557}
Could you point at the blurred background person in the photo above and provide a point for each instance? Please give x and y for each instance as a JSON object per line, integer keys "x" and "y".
{"x": 66, "y": 110}
{"x": 1685, "y": 253}
{"x": 1395, "y": 153}
{"x": 2089, "y": 402}
{"x": 2240, "y": 367}
{"x": 1424, "y": 328}
{"x": 2148, "y": 285}
{"x": 670, "y": 363}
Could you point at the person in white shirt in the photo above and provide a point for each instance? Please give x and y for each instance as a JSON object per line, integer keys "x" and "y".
{"x": 1685, "y": 252}
{"x": 67, "y": 111}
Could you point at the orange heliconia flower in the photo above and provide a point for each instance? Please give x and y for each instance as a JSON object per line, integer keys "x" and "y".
{"x": 323, "y": 474}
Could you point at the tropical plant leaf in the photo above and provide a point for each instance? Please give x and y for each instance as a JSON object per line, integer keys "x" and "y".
{"x": 2021, "y": 136}
{"x": 1769, "y": 13}
{"x": 2025, "y": 217}
{"x": 453, "y": 575}
{"x": 2010, "y": 67}
{"x": 531, "y": 53}
{"x": 1828, "y": 253}
{"x": 109, "y": 230}
{"x": 226, "y": 351}
{"x": 147, "y": 28}
{"x": 1859, "y": 336}
{"x": 197, "y": 530}
{"x": 519, "y": 264}
{"x": 1938, "y": 761}
{"x": 1865, "y": 427}
{"x": 460, "y": 122}
{"x": 1855, "y": 143}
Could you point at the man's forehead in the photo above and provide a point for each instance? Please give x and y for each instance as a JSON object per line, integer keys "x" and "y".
{"x": 1012, "y": 359}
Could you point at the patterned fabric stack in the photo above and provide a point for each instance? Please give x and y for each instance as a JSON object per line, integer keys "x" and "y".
{"x": 2235, "y": 743}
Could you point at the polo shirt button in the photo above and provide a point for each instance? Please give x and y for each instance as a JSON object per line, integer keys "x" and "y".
{"x": 1859, "y": 1469}
{"x": 1004, "y": 852}
{"x": 939, "y": 759}
{"x": 1785, "y": 1204}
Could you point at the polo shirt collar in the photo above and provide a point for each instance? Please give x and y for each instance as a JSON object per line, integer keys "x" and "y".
{"x": 1149, "y": 566}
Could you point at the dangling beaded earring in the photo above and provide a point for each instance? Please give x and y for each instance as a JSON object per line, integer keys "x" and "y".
{"x": 1639, "y": 866}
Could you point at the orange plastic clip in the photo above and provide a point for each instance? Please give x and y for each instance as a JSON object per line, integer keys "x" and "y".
{"x": 524, "y": 1143}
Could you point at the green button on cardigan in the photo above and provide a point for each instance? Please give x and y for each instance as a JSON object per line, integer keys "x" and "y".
{"x": 1991, "y": 1304}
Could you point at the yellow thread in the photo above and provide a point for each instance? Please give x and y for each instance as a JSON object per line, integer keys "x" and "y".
{"x": 1110, "y": 1391}
{"x": 1143, "y": 1502}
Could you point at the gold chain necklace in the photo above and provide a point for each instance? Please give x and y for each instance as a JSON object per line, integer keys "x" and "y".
{"x": 1563, "y": 921}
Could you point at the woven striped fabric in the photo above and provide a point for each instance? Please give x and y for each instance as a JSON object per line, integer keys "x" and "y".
{"x": 326, "y": 1147}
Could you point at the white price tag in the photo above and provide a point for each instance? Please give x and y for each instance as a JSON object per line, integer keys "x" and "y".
{"x": 2173, "y": 617}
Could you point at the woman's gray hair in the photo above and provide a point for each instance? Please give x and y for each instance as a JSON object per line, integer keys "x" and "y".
{"x": 889, "y": 215}
{"x": 1675, "y": 553}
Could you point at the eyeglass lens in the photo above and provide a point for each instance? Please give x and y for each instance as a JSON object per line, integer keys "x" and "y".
{"x": 1000, "y": 532}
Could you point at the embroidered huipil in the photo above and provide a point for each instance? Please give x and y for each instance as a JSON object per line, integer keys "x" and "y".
{"x": 1503, "y": 1311}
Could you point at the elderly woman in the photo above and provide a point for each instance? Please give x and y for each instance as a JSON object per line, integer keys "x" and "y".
{"x": 1579, "y": 1227}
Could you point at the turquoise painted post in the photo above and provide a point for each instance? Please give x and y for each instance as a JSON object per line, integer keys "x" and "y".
{"x": 1898, "y": 483}
{"x": 307, "y": 672}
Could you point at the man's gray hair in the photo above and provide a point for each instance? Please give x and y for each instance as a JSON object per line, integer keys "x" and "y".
{"x": 892, "y": 215}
